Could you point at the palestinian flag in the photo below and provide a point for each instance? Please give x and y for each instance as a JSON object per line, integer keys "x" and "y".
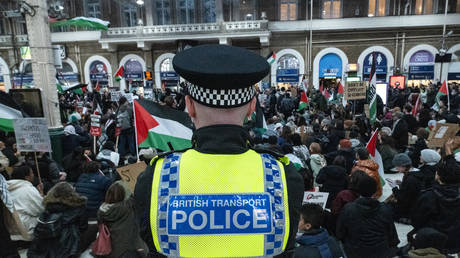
{"x": 75, "y": 87}
{"x": 120, "y": 74}
{"x": 271, "y": 58}
{"x": 340, "y": 92}
{"x": 83, "y": 22}
{"x": 372, "y": 97}
{"x": 303, "y": 96}
{"x": 159, "y": 126}
{"x": 443, "y": 91}
{"x": 416, "y": 108}
{"x": 9, "y": 111}
{"x": 375, "y": 155}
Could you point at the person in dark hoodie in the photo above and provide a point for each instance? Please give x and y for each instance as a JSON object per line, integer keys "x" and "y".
{"x": 345, "y": 150}
{"x": 333, "y": 179}
{"x": 315, "y": 242}
{"x": 407, "y": 191}
{"x": 439, "y": 207}
{"x": 57, "y": 234}
{"x": 117, "y": 213}
{"x": 366, "y": 226}
{"x": 429, "y": 159}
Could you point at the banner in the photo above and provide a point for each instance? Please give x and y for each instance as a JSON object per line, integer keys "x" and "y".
{"x": 441, "y": 134}
{"x": 95, "y": 129}
{"x": 130, "y": 173}
{"x": 319, "y": 198}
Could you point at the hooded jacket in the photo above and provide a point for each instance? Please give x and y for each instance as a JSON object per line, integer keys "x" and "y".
{"x": 93, "y": 186}
{"x": 372, "y": 169}
{"x": 425, "y": 253}
{"x": 366, "y": 229}
{"x": 439, "y": 208}
{"x": 333, "y": 180}
{"x": 124, "y": 231}
{"x": 64, "y": 218}
{"x": 28, "y": 204}
{"x": 347, "y": 153}
{"x": 408, "y": 193}
{"x": 317, "y": 243}
{"x": 317, "y": 161}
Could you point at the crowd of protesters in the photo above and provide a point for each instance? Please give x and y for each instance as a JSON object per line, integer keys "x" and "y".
{"x": 55, "y": 213}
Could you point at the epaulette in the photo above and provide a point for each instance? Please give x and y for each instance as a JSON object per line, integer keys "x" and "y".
{"x": 164, "y": 154}
{"x": 279, "y": 156}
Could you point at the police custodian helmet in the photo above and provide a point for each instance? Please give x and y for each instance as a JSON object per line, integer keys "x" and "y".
{"x": 221, "y": 76}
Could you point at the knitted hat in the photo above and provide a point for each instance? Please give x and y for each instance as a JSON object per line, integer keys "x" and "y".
{"x": 345, "y": 144}
{"x": 401, "y": 160}
{"x": 430, "y": 157}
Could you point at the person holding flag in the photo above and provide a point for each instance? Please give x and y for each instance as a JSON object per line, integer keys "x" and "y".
{"x": 372, "y": 93}
{"x": 443, "y": 91}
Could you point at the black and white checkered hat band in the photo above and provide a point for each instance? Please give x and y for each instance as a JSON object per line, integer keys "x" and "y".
{"x": 225, "y": 98}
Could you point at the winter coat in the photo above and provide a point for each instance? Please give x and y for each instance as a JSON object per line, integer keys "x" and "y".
{"x": 407, "y": 193}
{"x": 414, "y": 155}
{"x": 371, "y": 168}
{"x": 387, "y": 152}
{"x": 109, "y": 155}
{"x": 59, "y": 234}
{"x": 429, "y": 173}
{"x": 124, "y": 231}
{"x": 344, "y": 197}
{"x": 439, "y": 208}
{"x": 93, "y": 186}
{"x": 347, "y": 153}
{"x": 366, "y": 229}
{"x": 332, "y": 179}
{"x": 28, "y": 204}
{"x": 400, "y": 134}
{"x": 71, "y": 141}
{"x": 425, "y": 253}
{"x": 412, "y": 124}
{"x": 317, "y": 243}
{"x": 9, "y": 153}
{"x": 317, "y": 162}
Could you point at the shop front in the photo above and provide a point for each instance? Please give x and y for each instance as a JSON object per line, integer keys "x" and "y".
{"x": 421, "y": 68}
{"x": 330, "y": 70}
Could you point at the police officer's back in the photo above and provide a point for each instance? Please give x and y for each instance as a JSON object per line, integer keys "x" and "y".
{"x": 221, "y": 198}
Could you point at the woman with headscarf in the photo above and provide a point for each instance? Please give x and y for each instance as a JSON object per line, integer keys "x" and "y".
{"x": 71, "y": 140}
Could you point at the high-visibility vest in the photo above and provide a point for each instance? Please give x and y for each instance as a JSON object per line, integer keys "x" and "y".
{"x": 214, "y": 205}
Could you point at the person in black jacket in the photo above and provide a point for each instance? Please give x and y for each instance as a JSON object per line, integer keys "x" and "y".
{"x": 400, "y": 131}
{"x": 439, "y": 207}
{"x": 315, "y": 241}
{"x": 57, "y": 233}
{"x": 407, "y": 191}
{"x": 73, "y": 164}
{"x": 429, "y": 159}
{"x": 366, "y": 226}
{"x": 333, "y": 179}
{"x": 345, "y": 150}
{"x": 412, "y": 124}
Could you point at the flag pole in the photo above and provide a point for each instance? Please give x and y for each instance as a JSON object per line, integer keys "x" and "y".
{"x": 448, "y": 98}
{"x": 135, "y": 130}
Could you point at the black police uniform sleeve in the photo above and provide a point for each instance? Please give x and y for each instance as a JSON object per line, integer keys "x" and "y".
{"x": 295, "y": 190}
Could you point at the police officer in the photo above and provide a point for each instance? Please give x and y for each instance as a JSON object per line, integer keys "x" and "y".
{"x": 220, "y": 198}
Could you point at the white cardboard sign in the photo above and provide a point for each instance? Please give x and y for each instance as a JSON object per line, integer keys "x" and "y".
{"x": 316, "y": 197}
{"x": 32, "y": 135}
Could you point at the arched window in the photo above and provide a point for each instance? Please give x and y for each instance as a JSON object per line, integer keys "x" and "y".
{"x": 288, "y": 62}
{"x": 166, "y": 65}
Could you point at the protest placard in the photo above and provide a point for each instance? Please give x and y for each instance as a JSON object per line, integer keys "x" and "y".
{"x": 316, "y": 197}
{"x": 95, "y": 129}
{"x": 441, "y": 134}
{"x": 130, "y": 173}
{"x": 32, "y": 135}
{"x": 115, "y": 96}
{"x": 355, "y": 90}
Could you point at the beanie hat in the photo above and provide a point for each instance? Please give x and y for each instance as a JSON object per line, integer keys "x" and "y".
{"x": 366, "y": 186}
{"x": 430, "y": 237}
{"x": 430, "y": 157}
{"x": 401, "y": 160}
{"x": 345, "y": 144}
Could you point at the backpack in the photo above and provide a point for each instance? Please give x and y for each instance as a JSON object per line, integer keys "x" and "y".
{"x": 49, "y": 225}
{"x": 124, "y": 120}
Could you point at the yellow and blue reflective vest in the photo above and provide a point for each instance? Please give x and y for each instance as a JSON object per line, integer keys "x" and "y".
{"x": 216, "y": 205}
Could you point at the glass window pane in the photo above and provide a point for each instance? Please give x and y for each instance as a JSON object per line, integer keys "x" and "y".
{"x": 166, "y": 65}
{"x": 428, "y": 7}
{"x": 288, "y": 62}
{"x": 326, "y": 9}
{"x": 371, "y": 8}
{"x": 382, "y": 8}
{"x": 418, "y": 6}
{"x": 336, "y": 9}
{"x": 283, "y": 12}
{"x": 292, "y": 12}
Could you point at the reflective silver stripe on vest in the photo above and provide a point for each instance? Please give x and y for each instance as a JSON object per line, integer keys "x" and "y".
{"x": 169, "y": 184}
{"x": 273, "y": 243}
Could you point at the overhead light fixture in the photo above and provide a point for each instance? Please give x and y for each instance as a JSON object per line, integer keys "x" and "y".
{"x": 140, "y": 2}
